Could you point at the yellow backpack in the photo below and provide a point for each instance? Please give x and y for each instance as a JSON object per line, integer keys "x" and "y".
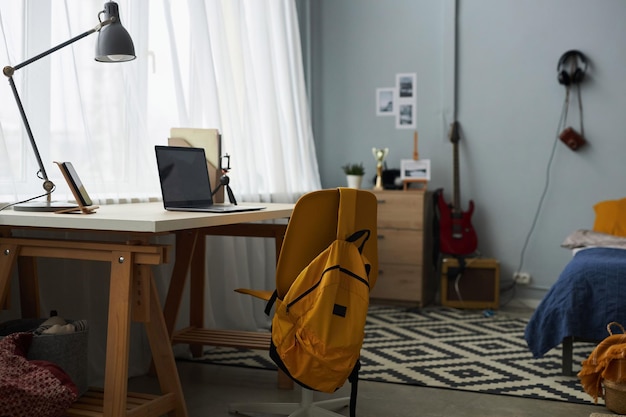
{"x": 318, "y": 326}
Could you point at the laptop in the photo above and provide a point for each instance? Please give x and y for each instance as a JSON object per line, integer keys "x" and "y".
{"x": 185, "y": 183}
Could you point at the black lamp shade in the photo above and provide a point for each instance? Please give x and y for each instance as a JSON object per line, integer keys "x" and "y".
{"x": 114, "y": 43}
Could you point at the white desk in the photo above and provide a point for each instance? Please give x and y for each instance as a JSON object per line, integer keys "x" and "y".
{"x": 132, "y": 294}
{"x": 140, "y": 218}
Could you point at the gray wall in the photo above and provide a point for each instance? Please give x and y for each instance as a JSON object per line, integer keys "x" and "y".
{"x": 509, "y": 105}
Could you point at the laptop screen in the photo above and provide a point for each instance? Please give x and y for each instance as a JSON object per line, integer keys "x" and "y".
{"x": 184, "y": 176}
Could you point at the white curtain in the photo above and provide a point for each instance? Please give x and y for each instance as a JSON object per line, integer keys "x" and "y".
{"x": 234, "y": 65}
{"x": 237, "y": 66}
{"x": 91, "y": 114}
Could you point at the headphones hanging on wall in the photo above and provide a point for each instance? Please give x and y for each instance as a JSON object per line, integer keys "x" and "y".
{"x": 568, "y": 69}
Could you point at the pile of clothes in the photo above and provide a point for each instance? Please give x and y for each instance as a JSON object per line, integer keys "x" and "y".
{"x": 603, "y": 373}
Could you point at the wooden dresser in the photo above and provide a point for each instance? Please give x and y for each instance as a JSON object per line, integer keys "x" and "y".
{"x": 405, "y": 249}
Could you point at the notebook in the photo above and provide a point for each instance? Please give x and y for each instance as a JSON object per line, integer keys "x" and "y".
{"x": 185, "y": 184}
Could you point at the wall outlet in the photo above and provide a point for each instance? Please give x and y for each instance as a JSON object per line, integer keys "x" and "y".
{"x": 522, "y": 278}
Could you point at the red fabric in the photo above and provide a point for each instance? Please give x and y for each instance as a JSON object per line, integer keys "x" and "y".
{"x": 58, "y": 373}
{"x": 31, "y": 388}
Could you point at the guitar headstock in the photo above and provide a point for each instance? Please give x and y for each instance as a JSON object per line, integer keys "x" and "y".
{"x": 454, "y": 132}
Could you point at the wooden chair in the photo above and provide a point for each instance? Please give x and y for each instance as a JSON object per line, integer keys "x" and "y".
{"x": 312, "y": 227}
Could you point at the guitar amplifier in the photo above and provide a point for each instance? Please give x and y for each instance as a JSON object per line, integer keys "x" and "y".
{"x": 476, "y": 287}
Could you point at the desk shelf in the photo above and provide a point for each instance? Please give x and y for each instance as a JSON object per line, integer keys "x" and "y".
{"x": 224, "y": 338}
{"x": 196, "y": 336}
{"x": 91, "y": 404}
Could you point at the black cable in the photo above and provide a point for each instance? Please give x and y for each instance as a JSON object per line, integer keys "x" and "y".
{"x": 580, "y": 110}
{"x": 561, "y": 123}
{"x": 547, "y": 183}
{"x": 27, "y": 200}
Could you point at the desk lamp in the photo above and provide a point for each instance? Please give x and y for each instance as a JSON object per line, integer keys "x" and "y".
{"x": 114, "y": 45}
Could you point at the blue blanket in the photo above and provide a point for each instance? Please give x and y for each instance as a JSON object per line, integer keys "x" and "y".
{"x": 589, "y": 294}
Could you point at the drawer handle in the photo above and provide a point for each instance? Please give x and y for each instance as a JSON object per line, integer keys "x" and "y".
{"x": 380, "y": 237}
{"x": 380, "y": 272}
{"x": 382, "y": 201}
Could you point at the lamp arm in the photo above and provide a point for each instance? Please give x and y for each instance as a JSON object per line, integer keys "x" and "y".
{"x": 48, "y": 185}
{"x": 8, "y": 71}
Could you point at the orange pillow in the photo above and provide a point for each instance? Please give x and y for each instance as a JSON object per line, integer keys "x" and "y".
{"x": 610, "y": 217}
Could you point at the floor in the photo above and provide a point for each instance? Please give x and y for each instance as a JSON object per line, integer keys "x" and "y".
{"x": 209, "y": 389}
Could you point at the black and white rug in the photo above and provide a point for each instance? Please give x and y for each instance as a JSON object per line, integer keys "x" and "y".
{"x": 448, "y": 348}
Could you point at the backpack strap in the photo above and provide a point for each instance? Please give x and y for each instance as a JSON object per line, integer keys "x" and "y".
{"x": 270, "y": 302}
{"x": 347, "y": 208}
{"x": 354, "y": 385}
{"x": 345, "y": 231}
{"x": 354, "y": 238}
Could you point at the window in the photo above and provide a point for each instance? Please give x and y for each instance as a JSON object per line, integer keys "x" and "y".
{"x": 231, "y": 65}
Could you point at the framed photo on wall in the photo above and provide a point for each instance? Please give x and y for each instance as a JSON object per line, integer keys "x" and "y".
{"x": 405, "y": 83}
{"x": 385, "y": 101}
{"x": 405, "y": 118}
{"x": 406, "y": 102}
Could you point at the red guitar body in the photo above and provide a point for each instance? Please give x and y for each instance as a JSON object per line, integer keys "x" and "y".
{"x": 456, "y": 233}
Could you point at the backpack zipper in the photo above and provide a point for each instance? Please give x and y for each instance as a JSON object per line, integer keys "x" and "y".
{"x": 317, "y": 284}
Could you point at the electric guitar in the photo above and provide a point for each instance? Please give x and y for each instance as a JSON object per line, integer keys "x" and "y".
{"x": 456, "y": 233}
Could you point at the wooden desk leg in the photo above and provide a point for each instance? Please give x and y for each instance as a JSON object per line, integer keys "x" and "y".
{"x": 185, "y": 243}
{"x": 8, "y": 255}
{"x": 118, "y": 335}
{"x": 29, "y": 287}
{"x": 162, "y": 353}
{"x": 197, "y": 286}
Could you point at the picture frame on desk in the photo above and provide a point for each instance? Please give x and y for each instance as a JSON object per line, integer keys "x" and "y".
{"x": 415, "y": 169}
{"x": 414, "y": 172}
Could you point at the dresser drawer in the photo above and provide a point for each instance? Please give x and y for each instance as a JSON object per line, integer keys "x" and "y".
{"x": 400, "y": 246}
{"x": 398, "y": 282}
{"x": 401, "y": 210}
{"x": 404, "y": 247}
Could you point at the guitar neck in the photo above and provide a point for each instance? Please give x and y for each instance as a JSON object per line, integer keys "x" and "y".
{"x": 454, "y": 138}
{"x": 456, "y": 198}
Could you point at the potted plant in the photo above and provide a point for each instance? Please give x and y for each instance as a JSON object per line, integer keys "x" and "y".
{"x": 354, "y": 174}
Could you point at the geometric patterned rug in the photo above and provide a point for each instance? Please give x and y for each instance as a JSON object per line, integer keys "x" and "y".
{"x": 448, "y": 348}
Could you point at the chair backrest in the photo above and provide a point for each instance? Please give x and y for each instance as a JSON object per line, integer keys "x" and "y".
{"x": 313, "y": 226}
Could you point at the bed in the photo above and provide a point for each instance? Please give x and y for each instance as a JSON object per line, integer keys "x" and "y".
{"x": 590, "y": 291}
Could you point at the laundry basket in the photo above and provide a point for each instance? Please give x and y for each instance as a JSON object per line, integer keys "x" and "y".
{"x": 603, "y": 373}
{"x": 69, "y": 351}
{"x": 615, "y": 396}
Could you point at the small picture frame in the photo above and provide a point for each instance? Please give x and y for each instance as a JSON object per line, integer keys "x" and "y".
{"x": 385, "y": 102}
{"x": 415, "y": 169}
{"x": 405, "y": 84}
{"x": 406, "y": 101}
{"x": 405, "y": 116}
